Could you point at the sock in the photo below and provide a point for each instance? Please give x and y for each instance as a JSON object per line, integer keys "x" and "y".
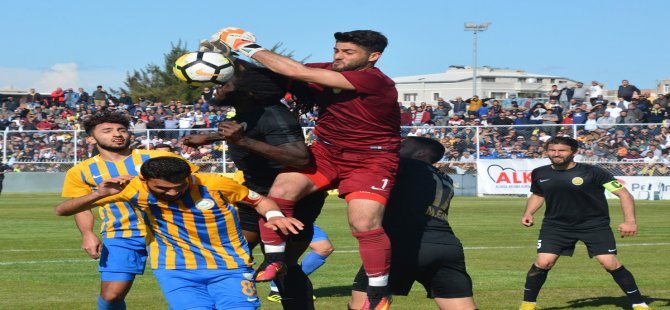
{"x": 375, "y": 250}
{"x": 111, "y": 305}
{"x": 271, "y": 237}
{"x": 295, "y": 289}
{"x": 312, "y": 262}
{"x": 626, "y": 282}
{"x": 534, "y": 281}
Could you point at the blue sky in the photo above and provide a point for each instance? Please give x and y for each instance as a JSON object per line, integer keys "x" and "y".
{"x": 47, "y": 44}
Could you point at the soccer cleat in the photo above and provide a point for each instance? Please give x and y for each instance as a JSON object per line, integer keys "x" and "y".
{"x": 270, "y": 271}
{"x": 383, "y": 303}
{"x": 528, "y": 306}
{"x": 641, "y": 307}
{"x": 274, "y": 296}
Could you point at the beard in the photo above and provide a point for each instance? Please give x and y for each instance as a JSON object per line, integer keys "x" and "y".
{"x": 560, "y": 162}
{"x": 350, "y": 66}
{"x": 114, "y": 148}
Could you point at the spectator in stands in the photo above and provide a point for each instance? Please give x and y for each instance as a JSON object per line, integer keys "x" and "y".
{"x": 595, "y": 92}
{"x": 10, "y": 104}
{"x": 627, "y": 91}
{"x": 460, "y": 106}
{"x": 71, "y": 98}
{"x": 662, "y": 100}
{"x": 84, "y": 97}
{"x": 633, "y": 156}
{"x": 657, "y": 114}
{"x": 420, "y": 117}
{"x": 554, "y": 93}
{"x": 600, "y": 100}
{"x": 33, "y": 96}
{"x": 440, "y": 115}
{"x": 445, "y": 105}
{"x": 606, "y": 121}
{"x": 580, "y": 93}
{"x": 565, "y": 94}
{"x": 124, "y": 99}
{"x": 474, "y": 104}
{"x": 58, "y": 97}
{"x": 495, "y": 109}
{"x": 100, "y": 96}
{"x": 456, "y": 120}
{"x": 591, "y": 122}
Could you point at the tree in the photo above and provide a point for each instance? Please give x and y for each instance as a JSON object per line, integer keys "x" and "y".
{"x": 159, "y": 84}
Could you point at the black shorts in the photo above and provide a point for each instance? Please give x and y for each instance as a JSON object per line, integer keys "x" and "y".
{"x": 562, "y": 242}
{"x": 306, "y": 210}
{"x": 440, "y": 268}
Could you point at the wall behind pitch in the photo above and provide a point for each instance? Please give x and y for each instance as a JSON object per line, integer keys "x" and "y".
{"x": 33, "y": 182}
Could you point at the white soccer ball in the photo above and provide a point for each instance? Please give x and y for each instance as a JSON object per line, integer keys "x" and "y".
{"x": 203, "y": 67}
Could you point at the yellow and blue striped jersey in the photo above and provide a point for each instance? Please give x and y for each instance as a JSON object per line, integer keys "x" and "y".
{"x": 201, "y": 230}
{"x": 119, "y": 220}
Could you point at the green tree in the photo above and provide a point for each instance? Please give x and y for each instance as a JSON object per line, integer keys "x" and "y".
{"x": 158, "y": 83}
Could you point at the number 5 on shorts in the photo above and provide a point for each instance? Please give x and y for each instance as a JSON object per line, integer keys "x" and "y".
{"x": 248, "y": 288}
{"x": 539, "y": 244}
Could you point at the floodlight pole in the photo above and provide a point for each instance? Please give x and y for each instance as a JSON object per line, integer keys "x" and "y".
{"x": 469, "y": 26}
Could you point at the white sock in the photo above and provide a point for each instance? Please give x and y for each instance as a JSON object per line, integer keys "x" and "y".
{"x": 378, "y": 281}
{"x": 279, "y": 248}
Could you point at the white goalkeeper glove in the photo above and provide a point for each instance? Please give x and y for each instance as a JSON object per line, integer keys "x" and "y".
{"x": 239, "y": 40}
{"x": 214, "y": 45}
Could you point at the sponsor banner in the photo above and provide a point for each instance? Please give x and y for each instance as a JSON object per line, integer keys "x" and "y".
{"x": 645, "y": 188}
{"x": 512, "y": 177}
{"x": 506, "y": 176}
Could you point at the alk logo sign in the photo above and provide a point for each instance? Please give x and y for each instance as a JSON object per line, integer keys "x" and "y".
{"x": 506, "y": 175}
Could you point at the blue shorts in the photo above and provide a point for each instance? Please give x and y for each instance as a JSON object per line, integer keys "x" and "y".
{"x": 208, "y": 289}
{"x": 122, "y": 258}
{"x": 319, "y": 234}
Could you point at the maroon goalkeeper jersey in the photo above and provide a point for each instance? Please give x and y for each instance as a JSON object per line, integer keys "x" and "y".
{"x": 367, "y": 118}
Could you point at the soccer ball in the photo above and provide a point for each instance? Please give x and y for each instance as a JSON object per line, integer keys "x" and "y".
{"x": 202, "y": 67}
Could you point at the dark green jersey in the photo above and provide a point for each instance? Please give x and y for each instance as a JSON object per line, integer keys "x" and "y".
{"x": 574, "y": 198}
{"x": 419, "y": 205}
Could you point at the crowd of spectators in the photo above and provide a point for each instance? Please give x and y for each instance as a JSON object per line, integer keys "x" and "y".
{"x": 41, "y": 129}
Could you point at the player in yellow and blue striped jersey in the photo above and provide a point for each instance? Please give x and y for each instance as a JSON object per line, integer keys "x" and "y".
{"x": 123, "y": 251}
{"x": 199, "y": 255}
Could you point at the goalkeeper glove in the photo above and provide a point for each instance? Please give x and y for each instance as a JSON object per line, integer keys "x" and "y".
{"x": 240, "y": 41}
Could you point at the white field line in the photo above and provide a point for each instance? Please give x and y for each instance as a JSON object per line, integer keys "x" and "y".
{"x": 61, "y": 261}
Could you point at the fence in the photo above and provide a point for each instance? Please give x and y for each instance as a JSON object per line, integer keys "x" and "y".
{"x": 609, "y": 146}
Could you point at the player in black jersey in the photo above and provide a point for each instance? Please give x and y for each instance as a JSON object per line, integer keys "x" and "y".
{"x": 576, "y": 210}
{"x": 424, "y": 247}
{"x": 263, "y": 139}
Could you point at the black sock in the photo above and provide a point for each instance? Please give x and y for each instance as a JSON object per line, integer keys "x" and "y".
{"x": 626, "y": 282}
{"x": 375, "y": 294}
{"x": 534, "y": 281}
{"x": 295, "y": 289}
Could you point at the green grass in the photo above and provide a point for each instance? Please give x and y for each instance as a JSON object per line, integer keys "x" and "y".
{"x": 42, "y": 267}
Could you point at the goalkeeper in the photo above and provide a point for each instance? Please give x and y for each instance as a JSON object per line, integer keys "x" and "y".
{"x": 356, "y": 152}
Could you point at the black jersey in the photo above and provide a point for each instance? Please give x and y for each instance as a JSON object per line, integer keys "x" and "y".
{"x": 574, "y": 198}
{"x": 418, "y": 206}
{"x": 274, "y": 125}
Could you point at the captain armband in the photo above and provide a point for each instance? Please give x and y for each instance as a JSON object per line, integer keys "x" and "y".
{"x": 252, "y": 198}
{"x": 612, "y": 186}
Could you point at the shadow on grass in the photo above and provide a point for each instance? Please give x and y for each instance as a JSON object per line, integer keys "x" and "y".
{"x": 333, "y": 291}
{"x": 621, "y": 301}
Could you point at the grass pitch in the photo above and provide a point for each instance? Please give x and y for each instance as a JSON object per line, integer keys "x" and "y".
{"x": 42, "y": 267}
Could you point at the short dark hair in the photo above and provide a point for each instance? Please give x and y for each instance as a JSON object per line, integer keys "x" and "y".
{"x": 434, "y": 147}
{"x": 168, "y": 168}
{"x": 572, "y": 143}
{"x": 104, "y": 117}
{"x": 370, "y": 40}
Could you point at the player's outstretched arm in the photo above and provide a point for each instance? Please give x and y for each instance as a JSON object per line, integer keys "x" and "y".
{"x": 244, "y": 42}
{"x": 292, "y": 154}
{"x": 274, "y": 217}
{"x": 105, "y": 189}
{"x": 533, "y": 204}
{"x": 629, "y": 226}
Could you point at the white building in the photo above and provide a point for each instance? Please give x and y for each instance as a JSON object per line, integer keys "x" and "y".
{"x": 491, "y": 83}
